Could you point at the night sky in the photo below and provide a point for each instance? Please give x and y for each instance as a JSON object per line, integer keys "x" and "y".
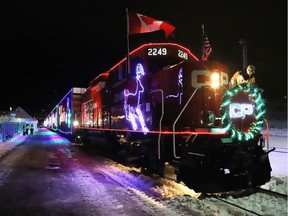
{"x": 48, "y": 47}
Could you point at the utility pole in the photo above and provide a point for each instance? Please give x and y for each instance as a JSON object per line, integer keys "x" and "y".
{"x": 244, "y": 53}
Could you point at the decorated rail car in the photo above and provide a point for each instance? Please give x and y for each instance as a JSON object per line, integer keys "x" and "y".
{"x": 67, "y": 113}
{"x": 162, "y": 105}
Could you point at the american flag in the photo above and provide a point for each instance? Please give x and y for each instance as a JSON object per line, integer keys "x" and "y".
{"x": 206, "y": 48}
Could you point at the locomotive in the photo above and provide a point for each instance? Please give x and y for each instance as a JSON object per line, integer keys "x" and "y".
{"x": 164, "y": 107}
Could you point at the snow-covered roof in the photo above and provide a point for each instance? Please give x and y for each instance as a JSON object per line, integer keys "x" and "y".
{"x": 20, "y": 113}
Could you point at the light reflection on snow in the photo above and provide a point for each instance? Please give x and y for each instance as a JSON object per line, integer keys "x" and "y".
{"x": 160, "y": 196}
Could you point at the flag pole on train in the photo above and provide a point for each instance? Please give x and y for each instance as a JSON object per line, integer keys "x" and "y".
{"x": 127, "y": 37}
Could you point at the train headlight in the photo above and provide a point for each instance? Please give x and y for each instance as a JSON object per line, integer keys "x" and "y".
{"x": 215, "y": 80}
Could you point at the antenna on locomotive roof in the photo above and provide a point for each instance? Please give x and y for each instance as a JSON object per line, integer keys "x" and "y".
{"x": 244, "y": 52}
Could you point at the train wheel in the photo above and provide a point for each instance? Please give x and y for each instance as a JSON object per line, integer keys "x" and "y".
{"x": 261, "y": 172}
{"x": 152, "y": 164}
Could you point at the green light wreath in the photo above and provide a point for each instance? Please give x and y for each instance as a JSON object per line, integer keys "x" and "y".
{"x": 255, "y": 95}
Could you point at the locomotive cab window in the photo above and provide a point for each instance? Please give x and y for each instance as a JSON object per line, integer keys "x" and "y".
{"x": 160, "y": 63}
{"x": 117, "y": 74}
{"x": 121, "y": 72}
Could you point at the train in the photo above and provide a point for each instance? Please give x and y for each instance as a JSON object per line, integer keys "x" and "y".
{"x": 165, "y": 108}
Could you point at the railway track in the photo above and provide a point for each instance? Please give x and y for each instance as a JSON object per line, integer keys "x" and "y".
{"x": 237, "y": 206}
{"x": 271, "y": 193}
{"x": 247, "y": 194}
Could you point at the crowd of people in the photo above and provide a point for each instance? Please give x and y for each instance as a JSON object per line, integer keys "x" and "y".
{"x": 26, "y": 128}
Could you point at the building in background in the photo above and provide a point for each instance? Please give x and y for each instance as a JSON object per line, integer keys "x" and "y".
{"x": 12, "y": 123}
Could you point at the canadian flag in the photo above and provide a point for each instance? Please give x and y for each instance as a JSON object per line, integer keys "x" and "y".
{"x": 139, "y": 23}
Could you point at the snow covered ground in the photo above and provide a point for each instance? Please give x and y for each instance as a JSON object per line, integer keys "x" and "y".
{"x": 179, "y": 199}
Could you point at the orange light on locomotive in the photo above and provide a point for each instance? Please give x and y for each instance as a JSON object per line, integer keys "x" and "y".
{"x": 215, "y": 80}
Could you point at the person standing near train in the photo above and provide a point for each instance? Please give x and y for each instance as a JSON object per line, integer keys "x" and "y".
{"x": 24, "y": 130}
{"x": 242, "y": 77}
{"x": 27, "y": 129}
{"x": 31, "y": 129}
